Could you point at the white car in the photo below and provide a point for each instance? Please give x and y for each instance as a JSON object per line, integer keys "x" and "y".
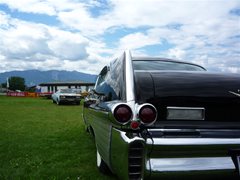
{"x": 68, "y": 96}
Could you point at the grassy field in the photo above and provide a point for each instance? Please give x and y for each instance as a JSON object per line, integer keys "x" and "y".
{"x": 40, "y": 140}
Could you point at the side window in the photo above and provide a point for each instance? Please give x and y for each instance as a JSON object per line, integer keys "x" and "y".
{"x": 111, "y": 81}
{"x": 102, "y": 76}
{"x": 117, "y": 80}
{"x": 102, "y": 87}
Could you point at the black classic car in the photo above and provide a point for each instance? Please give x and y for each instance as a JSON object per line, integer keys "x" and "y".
{"x": 154, "y": 116}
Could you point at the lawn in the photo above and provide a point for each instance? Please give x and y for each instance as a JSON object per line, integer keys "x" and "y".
{"x": 40, "y": 140}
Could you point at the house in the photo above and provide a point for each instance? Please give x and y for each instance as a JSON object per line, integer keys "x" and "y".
{"x": 46, "y": 89}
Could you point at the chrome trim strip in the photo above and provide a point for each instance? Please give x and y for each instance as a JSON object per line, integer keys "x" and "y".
{"x": 130, "y": 96}
{"x": 190, "y": 164}
{"x": 194, "y": 130}
{"x": 193, "y": 141}
{"x": 127, "y": 139}
{"x": 236, "y": 94}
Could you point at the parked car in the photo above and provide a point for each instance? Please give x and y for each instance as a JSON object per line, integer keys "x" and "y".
{"x": 154, "y": 116}
{"x": 72, "y": 96}
{"x": 47, "y": 95}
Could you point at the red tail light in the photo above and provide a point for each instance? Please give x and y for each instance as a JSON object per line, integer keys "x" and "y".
{"x": 147, "y": 113}
{"x": 123, "y": 113}
{"x": 135, "y": 125}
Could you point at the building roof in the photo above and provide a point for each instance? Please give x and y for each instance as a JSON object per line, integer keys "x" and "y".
{"x": 67, "y": 84}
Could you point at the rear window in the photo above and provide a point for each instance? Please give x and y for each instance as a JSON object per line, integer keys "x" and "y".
{"x": 164, "y": 65}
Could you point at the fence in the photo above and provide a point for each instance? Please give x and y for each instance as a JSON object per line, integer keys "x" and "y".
{"x": 28, "y": 94}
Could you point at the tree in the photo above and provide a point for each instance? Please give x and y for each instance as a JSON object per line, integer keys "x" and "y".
{"x": 16, "y": 83}
{"x": 4, "y": 85}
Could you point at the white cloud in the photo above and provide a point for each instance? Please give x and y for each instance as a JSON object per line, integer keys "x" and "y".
{"x": 32, "y": 42}
{"x": 137, "y": 40}
{"x": 232, "y": 69}
{"x": 177, "y": 53}
{"x": 21, "y": 40}
{"x": 3, "y": 20}
{"x": 199, "y": 31}
{"x": 79, "y": 19}
{"x": 31, "y": 6}
{"x": 68, "y": 49}
{"x": 48, "y": 7}
{"x": 204, "y": 34}
{"x": 67, "y": 45}
{"x": 25, "y": 45}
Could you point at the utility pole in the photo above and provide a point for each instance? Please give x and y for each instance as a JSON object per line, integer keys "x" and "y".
{"x": 7, "y": 84}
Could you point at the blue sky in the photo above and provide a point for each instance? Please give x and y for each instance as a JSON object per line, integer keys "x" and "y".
{"x": 85, "y": 35}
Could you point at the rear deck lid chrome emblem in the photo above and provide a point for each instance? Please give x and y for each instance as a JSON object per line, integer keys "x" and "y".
{"x": 234, "y": 93}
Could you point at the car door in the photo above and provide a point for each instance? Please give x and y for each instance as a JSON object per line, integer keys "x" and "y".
{"x": 96, "y": 114}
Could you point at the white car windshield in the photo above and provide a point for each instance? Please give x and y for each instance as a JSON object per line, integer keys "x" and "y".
{"x": 70, "y": 91}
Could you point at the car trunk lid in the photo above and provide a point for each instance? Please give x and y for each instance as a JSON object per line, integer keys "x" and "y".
{"x": 218, "y": 94}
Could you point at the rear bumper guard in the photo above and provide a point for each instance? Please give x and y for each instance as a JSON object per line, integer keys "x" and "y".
{"x": 235, "y": 155}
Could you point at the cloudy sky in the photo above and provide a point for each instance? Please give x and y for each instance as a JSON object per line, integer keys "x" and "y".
{"x": 85, "y": 35}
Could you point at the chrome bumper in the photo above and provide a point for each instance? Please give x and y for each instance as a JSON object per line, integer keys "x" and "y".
{"x": 191, "y": 154}
{"x": 189, "y": 164}
{"x": 167, "y": 155}
{"x": 193, "y": 141}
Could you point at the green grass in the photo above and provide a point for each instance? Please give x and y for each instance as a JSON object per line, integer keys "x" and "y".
{"x": 40, "y": 140}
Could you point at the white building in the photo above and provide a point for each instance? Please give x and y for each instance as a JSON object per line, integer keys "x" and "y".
{"x": 55, "y": 86}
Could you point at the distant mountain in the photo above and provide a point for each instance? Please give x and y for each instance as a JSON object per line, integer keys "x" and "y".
{"x": 35, "y": 77}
